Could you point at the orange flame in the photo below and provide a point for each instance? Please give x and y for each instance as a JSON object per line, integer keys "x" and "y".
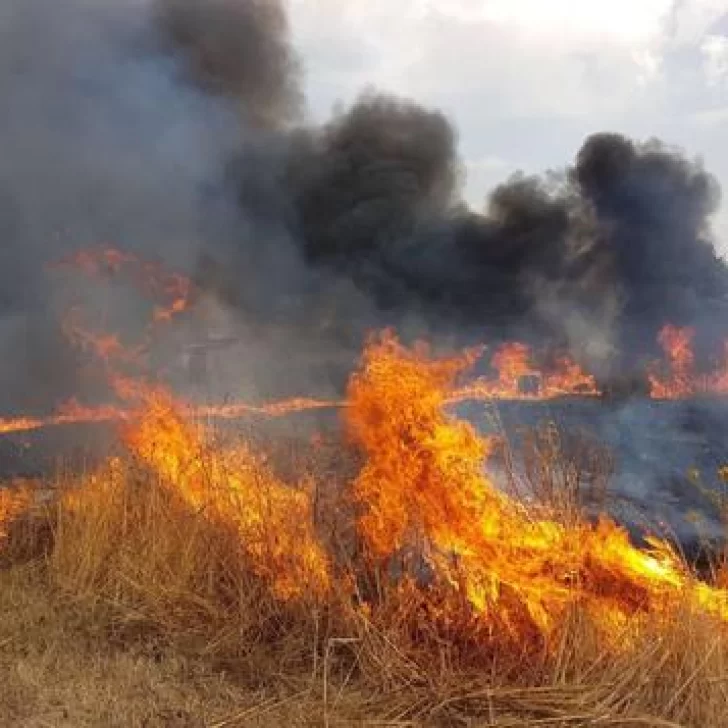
{"x": 272, "y": 409}
{"x": 677, "y": 377}
{"x": 680, "y": 381}
{"x": 69, "y": 413}
{"x": 74, "y": 413}
{"x": 14, "y": 501}
{"x": 274, "y": 520}
{"x": 424, "y": 487}
{"x": 105, "y": 347}
{"x": 174, "y": 290}
{"x": 514, "y": 364}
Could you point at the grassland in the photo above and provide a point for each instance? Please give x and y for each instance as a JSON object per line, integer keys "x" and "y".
{"x": 122, "y": 606}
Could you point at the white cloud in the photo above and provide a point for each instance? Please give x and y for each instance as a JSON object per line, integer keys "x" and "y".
{"x": 692, "y": 20}
{"x": 715, "y": 56}
{"x": 625, "y": 20}
{"x": 534, "y": 57}
{"x": 711, "y": 117}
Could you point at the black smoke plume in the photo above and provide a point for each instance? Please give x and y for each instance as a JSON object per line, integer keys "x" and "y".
{"x": 176, "y": 128}
{"x": 239, "y": 50}
{"x": 597, "y": 259}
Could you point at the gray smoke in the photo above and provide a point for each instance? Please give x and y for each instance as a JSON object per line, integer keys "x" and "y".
{"x": 176, "y": 128}
{"x": 102, "y": 142}
{"x": 614, "y": 247}
{"x": 236, "y": 49}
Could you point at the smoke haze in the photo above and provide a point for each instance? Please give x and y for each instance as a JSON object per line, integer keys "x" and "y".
{"x": 177, "y": 129}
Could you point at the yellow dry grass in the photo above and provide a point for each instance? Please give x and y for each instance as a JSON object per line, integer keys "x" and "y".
{"x": 121, "y": 605}
{"x": 59, "y": 667}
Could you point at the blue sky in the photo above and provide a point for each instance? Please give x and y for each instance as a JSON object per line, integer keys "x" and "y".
{"x": 524, "y": 81}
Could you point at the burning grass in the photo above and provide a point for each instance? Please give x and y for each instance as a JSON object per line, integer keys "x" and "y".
{"x": 411, "y": 592}
{"x": 143, "y": 579}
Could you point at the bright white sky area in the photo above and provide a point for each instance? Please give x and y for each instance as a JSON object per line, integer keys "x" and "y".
{"x": 525, "y": 81}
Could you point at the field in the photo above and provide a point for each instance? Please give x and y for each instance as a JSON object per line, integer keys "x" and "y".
{"x": 376, "y": 577}
{"x": 137, "y": 612}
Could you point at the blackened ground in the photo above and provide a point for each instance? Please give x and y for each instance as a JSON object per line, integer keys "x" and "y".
{"x": 660, "y": 458}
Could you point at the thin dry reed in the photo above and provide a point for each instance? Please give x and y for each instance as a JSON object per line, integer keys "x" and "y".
{"x": 126, "y": 552}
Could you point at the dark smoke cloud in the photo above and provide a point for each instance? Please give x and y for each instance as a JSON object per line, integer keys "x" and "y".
{"x": 653, "y": 209}
{"x": 621, "y": 240}
{"x": 174, "y": 128}
{"x": 238, "y": 49}
{"x": 598, "y": 257}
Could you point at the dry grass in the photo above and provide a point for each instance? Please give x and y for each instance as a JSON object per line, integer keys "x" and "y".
{"x": 121, "y": 605}
{"x": 59, "y": 667}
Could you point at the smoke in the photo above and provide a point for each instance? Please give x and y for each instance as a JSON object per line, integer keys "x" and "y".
{"x": 653, "y": 209}
{"x": 177, "y": 129}
{"x": 622, "y": 239}
{"x": 596, "y": 258}
{"x": 239, "y": 50}
{"x": 102, "y": 142}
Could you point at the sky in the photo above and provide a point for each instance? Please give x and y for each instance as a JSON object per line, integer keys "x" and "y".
{"x": 525, "y": 81}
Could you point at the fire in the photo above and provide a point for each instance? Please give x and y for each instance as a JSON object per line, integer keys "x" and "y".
{"x": 284, "y": 407}
{"x": 274, "y": 520}
{"x": 105, "y": 347}
{"x": 427, "y": 510}
{"x": 681, "y": 382}
{"x": 173, "y": 291}
{"x": 678, "y": 379}
{"x": 424, "y": 487}
{"x": 14, "y": 501}
{"x": 178, "y": 291}
{"x": 512, "y": 361}
{"x": 72, "y": 412}
{"x": 519, "y": 378}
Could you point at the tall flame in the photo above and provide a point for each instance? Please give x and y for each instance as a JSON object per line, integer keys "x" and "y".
{"x": 680, "y": 382}
{"x": 274, "y": 520}
{"x": 424, "y": 487}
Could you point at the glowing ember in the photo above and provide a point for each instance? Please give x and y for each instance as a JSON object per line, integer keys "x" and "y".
{"x": 13, "y": 502}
